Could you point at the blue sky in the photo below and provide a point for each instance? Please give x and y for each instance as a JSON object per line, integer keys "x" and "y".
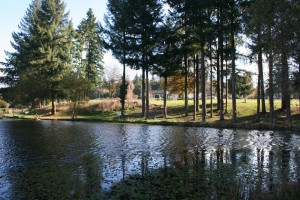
{"x": 12, "y": 12}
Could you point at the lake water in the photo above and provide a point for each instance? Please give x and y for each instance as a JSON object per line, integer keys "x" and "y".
{"x": 90, "y": 160}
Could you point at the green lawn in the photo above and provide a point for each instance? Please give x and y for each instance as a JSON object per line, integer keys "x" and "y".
{"x": 106, "y": 110}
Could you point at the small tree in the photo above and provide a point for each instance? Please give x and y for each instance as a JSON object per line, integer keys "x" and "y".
{"x": 130, "y": 88}
{"x": 244, "y": 85}
{"x": 137, "y": 81}
{"x": 113, "y": 77}
{"x": 122, "y": 95}
{"x": 79, "y": 94}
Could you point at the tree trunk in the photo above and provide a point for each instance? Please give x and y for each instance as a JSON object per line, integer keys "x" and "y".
{"x": 233, "y": 75}
{"x": 195, "y": 91}
{"x": 283, "y": 83}
{"x": 220, "y": 41}
{"x": 124, "y": 86}
{"x": 186, "y": 100}
{"x": 283, "y": 89}
{"x": 53, "y": 100}
{"x": 203, "y": 83}
{"x": 263, "y": 99}
{"x": 197, "y": 82}
{"x": 218, "y": 57}
{"x": 286, "y": 85}
{"x": 271, "y": 90}
{"x": 165, "y": 97}
{"x": 143, "y": 93}
{"x": 226, "y": 85}
{"x": 260, "y": 68}
{"x": 74, "y": 112}
{"x": 211, "y": 83}
{"x": 124, "y": 75}
{"x": 222, "y": 82}
{"x": 147, "y": 94}
{"x": 258, "y": 98}
{"x": 218, "y": 80}
{"x": 226, "y": 76}
{"x": 260, "y": 71}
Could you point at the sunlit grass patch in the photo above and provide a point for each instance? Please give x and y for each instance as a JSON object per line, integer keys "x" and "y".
{"x": 109, "y": 110}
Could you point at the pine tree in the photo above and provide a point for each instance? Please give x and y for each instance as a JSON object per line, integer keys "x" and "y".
{"x": 200, "y": 19}
{"x": 42, "y": 50}
{"x": 235, "y": 21}
{"x": 146, "y": 18}
{"x": 20, "y": 72}
{"x": 133, "y": 25}
{"x": 255, "y": 30}
{"x": 296, "y": 46}
{"x": 179, "y": 11}
{"x": 244, "y": 86}
{"x": 53, "y": 45}
{"x": 168, "y": 57}
{"x": 117, "y": 36}
{"x": 89, "y": 36}
{"x": 285, "y": 27}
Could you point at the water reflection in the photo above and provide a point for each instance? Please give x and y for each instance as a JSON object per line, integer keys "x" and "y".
{"x": 75, "y": 160}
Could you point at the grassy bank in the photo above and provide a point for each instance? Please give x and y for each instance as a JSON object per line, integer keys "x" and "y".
{"x": 107, "y": 110}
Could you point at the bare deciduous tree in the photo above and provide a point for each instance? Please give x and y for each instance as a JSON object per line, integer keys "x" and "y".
{"x": 113, "y": 76}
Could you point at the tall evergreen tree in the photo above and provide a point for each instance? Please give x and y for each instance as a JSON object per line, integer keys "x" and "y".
{"x": 19, "y": 60}
{"x": 296, "y": 46}
{"x": 236, "y": 7}
{"x": 284, "y": 27}
{"x": 117, "y": 33}
{"x": 200, "y": 24}
{"x": 132, "y": 26}
{"x": 145, "y": 17}
{"x": 244, "y": 86}
{"x": 53, "y": 45}
{"x": 220, "y": 30}
{"x": 179, "y": 12}
{"x": 274, "y": 22}
{"x": 42, "y": 49}
{"x": 167, "y": 57}
{"x": 267, "y": 13}
{"x": 21, "y": 73}
{"x": 255, "y": 30}
{"x": 17, "y": 71}
{"x": 89, "y": 36}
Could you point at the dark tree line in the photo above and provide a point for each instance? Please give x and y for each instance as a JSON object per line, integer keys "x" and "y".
{"x": 199, "y": 39}
{"x": 189, "y": 39}
{"x": 272, "y": 27}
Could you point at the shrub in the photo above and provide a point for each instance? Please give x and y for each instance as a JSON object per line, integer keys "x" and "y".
{"x": 3, "y": 104}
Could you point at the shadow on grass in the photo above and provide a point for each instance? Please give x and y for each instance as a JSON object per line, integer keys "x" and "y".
{"x": 246, "y": 119}
{"x": 246, "y": 116}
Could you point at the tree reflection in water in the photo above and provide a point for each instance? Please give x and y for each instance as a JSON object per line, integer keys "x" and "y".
{"x": 67, "y": 160}
{"x": 220, "y": 168}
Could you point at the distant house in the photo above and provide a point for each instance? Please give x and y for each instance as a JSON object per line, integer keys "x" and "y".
{"x": 157, "y": 94}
